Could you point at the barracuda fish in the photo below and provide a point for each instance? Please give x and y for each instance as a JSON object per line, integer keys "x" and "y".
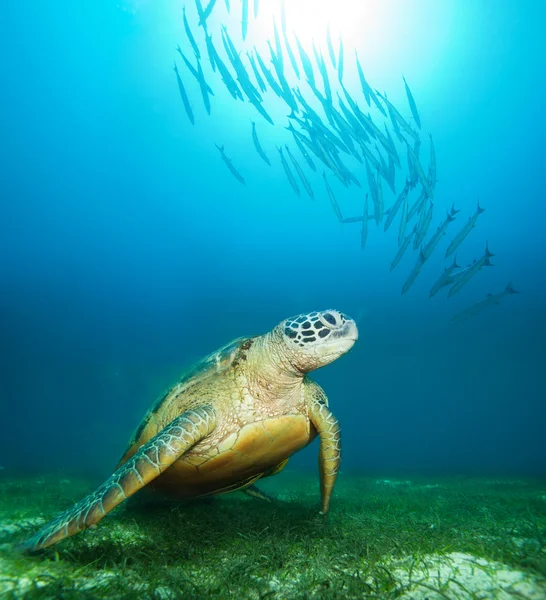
{"x": 418, "y": 204}
{"x": 411, "y": 102}
{"x": 269, "y": 78}
{"x": 322, "y": 154}
{"x": 432, "y": 164}
{"x": 384, "y": 167}
{"x": 391, "y": 148}
{"x": 369, "y": 156}
{"x": 386, "y": 145}
{"x": 211, "y": 51}
{"x": 347, "y": 173}
{"x": 380, "y": 202}
{"x": 232, "y": 54}
{"x": 258, "y": 146}
{"x": 246, "y": 85}
{"x": 278, "y": 53}
{"x": 332, "y": 140}
{"x": 429, "y": 247}
{"x": 333, "y": 200}
{"x": 200, "y": 13}
{"x": 414, "y": 177}
{"x": 364, "y": 230}
{"x": 414, "y": 272}
{"x": 403, "y": 218}
{"x": 340, "y": 61}
{"x": 285, "y": 88}
{"x": 189, "y": 34}
{"x": 324, "y": 73}
{"x": 230, "y": 166}
{"x": 466, "y": 276}
{"x": 358, "y": 114}
{"x": 184, "y": 96}
{"x": 256, "y": 8}
{"x": 301, "y": 174}
{"x": 206, "y": 13}
{"x": 402, "y": 197}
{"x": 444, "y": 279}
{"x": 302, "y": 148}
{"x": 344, "y": 130}
{"x": 204, "y": 87}
{"x": 327, "y": 106}
{"x": 240, "y": 69}
{"x": 227, "y": 6}
{"x": 313, "y": 115}
{"x": 259, "y": 80}
{"x": 242, "y": 76}
{"x": 289, "y": 173}
{"x": 193, "y": 70}
{"x": 226, "y": 76}
{"x": 489, "y": 300}
{"x": 378, "y": 104}
{"x": 303, "y": 140}
{"x": 366, "y": 89}
{"x": 318, "y": 131}
{"x": 391, "y": 180}
{"x": 372, "y": 184}
{"x": 355, "y": 126}
{"x": 244, "y": 20}
{"x": 423, "y": 226}
{"x": 462, "y": 271}
{"x": 420, "y": 224}
{"x": 330, "y": 46}
{"x": 306, "y": 63}
{"x": 398, "y": 117}
{"x": 357, "y": 219}
{"x": 459, "y": 238}
{"x": 370, "y": 131}
{"x": 420, "y": 173}
{"x": 394, "y": 122}
{"x": 401, "y": 250}
{"x": 258, "y": 106}
{"x": 291, "y": 56}
{"x": 371, "y": 127}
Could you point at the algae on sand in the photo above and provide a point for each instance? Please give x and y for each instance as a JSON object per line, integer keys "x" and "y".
{"x": 385, "y": 538}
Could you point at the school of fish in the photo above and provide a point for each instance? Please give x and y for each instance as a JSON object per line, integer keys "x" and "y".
{"x": 334, "y": 133}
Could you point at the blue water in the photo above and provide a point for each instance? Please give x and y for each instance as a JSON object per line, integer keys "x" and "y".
{"x": 128, "y": 251}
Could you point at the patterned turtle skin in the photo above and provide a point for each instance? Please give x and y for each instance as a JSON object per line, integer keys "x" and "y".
{"x": 236, "y": 417}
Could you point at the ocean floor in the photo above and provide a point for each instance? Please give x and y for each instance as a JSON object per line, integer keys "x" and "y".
{"x": 384, "y": 538}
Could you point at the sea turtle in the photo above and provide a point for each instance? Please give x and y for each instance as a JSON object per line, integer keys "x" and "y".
{"x": 233, "y": 419}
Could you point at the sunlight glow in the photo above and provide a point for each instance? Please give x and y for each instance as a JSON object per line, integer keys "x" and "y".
{"x": 353, "y": 20}
{"x": 311, "y": 18}
{"x": 372, "y": 27}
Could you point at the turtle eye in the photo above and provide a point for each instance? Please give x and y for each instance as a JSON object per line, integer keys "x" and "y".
{"x": 329, "y": 318}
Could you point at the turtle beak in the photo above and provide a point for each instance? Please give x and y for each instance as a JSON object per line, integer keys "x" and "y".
{"x": 348, "y": 331}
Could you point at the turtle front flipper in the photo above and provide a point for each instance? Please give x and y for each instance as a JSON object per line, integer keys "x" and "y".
{"x": 145, "y": 465}
{"x": 330, "y": 444}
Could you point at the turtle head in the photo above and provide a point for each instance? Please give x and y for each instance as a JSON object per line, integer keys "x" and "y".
{"x": 316, "y": 339}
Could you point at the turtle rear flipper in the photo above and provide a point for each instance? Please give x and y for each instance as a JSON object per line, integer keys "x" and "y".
{"x": 255, "y": 492}
{"x": 147, "y": 464}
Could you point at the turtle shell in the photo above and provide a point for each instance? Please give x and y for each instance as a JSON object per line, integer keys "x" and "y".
{"x": 213, "y": 364}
